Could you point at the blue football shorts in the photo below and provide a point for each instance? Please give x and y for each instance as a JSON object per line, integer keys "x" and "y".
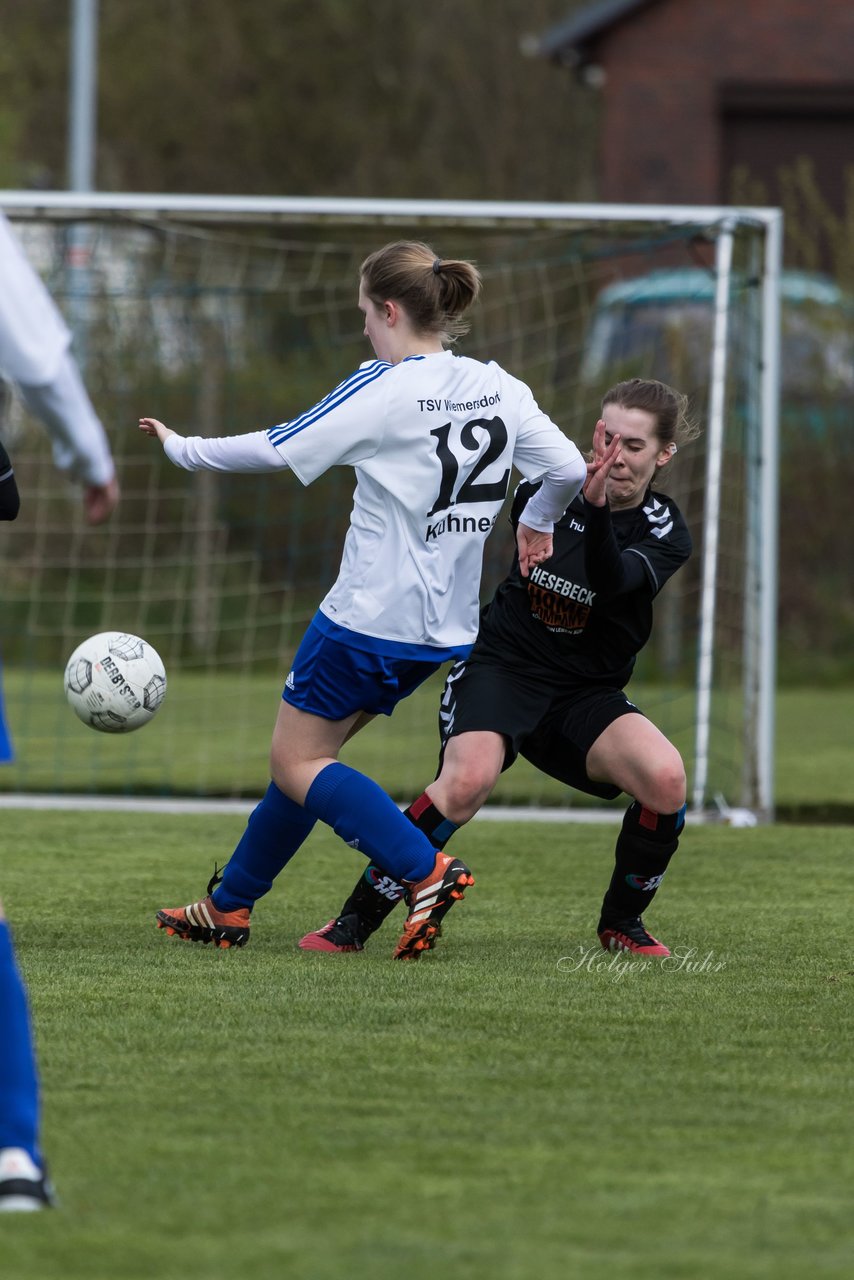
{"x": 333, "y": 679}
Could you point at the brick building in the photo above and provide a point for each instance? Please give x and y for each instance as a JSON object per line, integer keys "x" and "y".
{"x": 697, "y": 94}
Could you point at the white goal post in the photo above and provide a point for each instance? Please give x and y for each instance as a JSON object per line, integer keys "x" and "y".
{"x": 231, "y": 313}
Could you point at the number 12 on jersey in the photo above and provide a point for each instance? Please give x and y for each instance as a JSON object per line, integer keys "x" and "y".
{"x": 471, "y": 439}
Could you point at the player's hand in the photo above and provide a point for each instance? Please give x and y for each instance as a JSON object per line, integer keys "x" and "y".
{"x": 152, "y": 427}
{"x": 534, "y": 548}
{"x": 598, "y": 470}
{"x": 100, "y": 501}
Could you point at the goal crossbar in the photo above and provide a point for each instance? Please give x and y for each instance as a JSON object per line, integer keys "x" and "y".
{"x": 67, "y": 205}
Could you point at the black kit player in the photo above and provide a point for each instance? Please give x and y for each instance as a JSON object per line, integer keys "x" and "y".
{"x": 547, "y": 674}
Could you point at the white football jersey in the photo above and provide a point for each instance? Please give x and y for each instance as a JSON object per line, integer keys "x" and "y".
{"x": 432, "y": 440}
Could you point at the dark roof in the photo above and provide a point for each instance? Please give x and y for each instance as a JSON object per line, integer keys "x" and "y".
{"x": 568, "y": 41}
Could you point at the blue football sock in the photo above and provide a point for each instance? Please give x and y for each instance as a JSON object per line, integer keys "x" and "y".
{"x": 360, "y": 812}
{"x": 7, "y": 751}
{"x": 276, "y": 829}
{"x": 19, "y": 1086}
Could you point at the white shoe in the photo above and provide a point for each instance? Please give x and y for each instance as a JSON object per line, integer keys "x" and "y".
{"x": 24, "y": 1187}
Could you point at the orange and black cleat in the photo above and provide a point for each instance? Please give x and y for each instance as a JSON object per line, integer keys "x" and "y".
{"x": 201, "y": 922}
{"x": 429, "y": 901}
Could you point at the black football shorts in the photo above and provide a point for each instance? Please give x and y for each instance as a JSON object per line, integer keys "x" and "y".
{"x": 553, "y": 730}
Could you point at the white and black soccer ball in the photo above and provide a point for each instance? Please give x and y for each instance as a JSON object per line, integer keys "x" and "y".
{"x": 115, "y": 682}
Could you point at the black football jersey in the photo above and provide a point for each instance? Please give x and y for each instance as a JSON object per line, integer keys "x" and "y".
{"x": 585, "y": 613}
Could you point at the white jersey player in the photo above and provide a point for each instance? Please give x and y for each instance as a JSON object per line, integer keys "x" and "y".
{"x": 35, "y": 354}
{"x": 432, "y": 438}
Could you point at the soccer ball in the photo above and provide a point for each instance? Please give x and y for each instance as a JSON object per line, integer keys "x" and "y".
{"x": 115, "y": 682}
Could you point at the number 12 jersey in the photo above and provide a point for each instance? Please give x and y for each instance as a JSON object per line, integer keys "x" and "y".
{"x": 433, "y": 441}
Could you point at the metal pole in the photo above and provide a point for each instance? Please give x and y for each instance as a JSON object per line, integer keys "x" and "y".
{"x": 83, "y": 95}
{"x": 751, "y": 373}
{"x": 83, "y": 80}
{"x": 769, "y": 501}
{"x": 711, "y": 519}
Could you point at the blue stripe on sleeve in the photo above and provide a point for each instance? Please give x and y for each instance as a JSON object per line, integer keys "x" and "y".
{"x": 356, "y": 382}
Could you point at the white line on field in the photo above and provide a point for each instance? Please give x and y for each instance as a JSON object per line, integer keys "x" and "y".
{"x": 177, "y": 804}
{"x": 190, "y": 804}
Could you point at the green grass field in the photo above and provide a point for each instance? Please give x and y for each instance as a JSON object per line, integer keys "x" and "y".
{"x": 514, "y": 1105}
{"x": 212, "y": 737}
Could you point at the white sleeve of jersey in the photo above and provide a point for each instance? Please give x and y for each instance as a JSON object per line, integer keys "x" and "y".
{"x": 554, "y": 495}
{"x": 541, "y": 446}
{"x": 33, "y": 335}
{"x": 250, "y": 452}
{"x": 80, "y": 445}
{"x": 544, "y": 452}
{"x": 345, "y": 428}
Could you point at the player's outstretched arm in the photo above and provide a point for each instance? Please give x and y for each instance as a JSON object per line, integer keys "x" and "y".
{"x": 252, "y": 451}
{"x": 151, "y": 427}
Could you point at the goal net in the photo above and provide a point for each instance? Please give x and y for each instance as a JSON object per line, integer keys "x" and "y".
{"x": 222, "y": 316}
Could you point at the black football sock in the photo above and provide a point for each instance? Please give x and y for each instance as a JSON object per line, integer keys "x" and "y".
{"x": 645, "y": 845}
{"x": 424, "y": 815}
{"x": 376, "y": 893}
